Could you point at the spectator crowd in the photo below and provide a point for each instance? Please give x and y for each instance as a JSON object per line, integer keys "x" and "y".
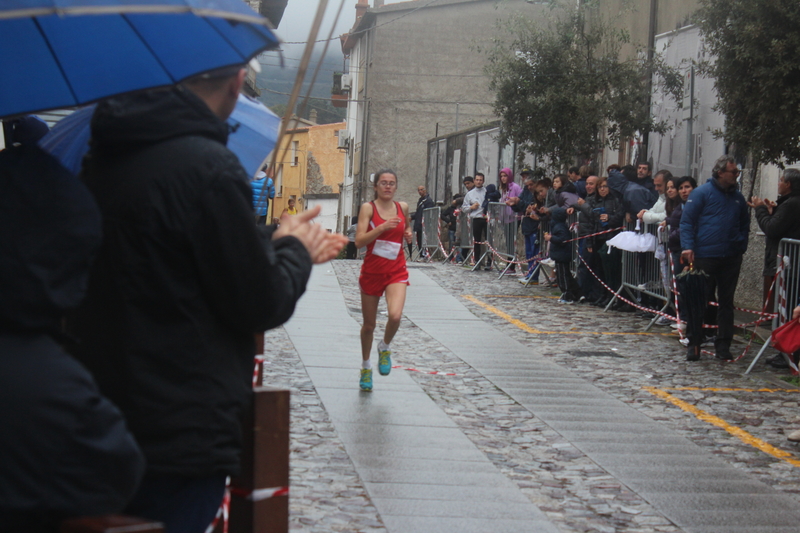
{"x": 700, "y": 229}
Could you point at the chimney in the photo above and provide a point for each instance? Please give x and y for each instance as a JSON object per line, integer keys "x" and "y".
{"x": 312, "y": 116}
{"x": 361, "y": 8}
{"x": 378, "y": 3}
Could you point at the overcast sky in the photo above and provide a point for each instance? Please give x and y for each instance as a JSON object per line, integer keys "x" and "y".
{"x": 297, "y": 20}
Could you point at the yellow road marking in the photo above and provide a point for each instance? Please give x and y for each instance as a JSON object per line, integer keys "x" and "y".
{"x": 737, "y": 432}
{"x": 525, "y": 327}
{"x": 725, "y": 389}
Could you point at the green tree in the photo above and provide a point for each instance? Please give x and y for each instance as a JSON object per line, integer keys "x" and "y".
{"x": 564, "y": 91}
{"x": 755, "y": 46}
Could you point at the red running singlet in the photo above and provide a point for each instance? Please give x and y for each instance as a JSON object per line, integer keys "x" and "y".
{"x": 385, "y": 262}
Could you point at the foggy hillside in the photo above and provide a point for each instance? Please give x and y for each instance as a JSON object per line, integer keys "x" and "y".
{"x": 276, "y": 83}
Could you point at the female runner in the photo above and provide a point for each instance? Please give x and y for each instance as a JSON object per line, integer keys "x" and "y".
{"x": 382, "y": 226}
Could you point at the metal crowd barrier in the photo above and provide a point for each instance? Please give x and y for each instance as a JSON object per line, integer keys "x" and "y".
{"x": 544, "y": 227}
{"x": 463, "y": 239}
{"x": 788, "y": 284}
{"x": 430, "y": 231}
{"x": 501, "y": 234}
{"x": 466, "y": 237}
{"x": 642, "y": 272}
{"x": 787, "y": 287}
{"x": 575, "y": 261}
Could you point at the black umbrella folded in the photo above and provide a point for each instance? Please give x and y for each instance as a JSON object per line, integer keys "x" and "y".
{"x": 693, "y": 291}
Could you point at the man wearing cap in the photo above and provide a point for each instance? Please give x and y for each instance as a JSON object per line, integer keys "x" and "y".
{"x": 263, "y": 192}
{"x": 182, "y": 281}
{"x": 469, "y": 183}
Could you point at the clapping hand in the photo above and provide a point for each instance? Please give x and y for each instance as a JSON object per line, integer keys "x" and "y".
{"x": 321, "y": 245}
{"x": 755, "y": 202}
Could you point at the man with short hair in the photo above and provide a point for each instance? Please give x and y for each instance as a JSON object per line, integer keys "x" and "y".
{"x": 715, "y": 226}
{"x": 589, "y": 286}
{"x": 658, "y": 212}
{"x": 643, "y": 176}
{"x": 526, "y": 204}
{"x": 473, "y": 202}
{"x": 181, "y": 282}
{"x": 654, "y": 215}
{"x": 574, "y": 174}
{"x": 424, "y": 202}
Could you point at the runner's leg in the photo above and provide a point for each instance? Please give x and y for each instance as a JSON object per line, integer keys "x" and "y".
{"x": 369, "y": 310}
{"x": 395, "y": 300}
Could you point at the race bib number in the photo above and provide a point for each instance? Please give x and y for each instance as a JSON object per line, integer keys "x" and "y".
{"x": 387, "y": 249}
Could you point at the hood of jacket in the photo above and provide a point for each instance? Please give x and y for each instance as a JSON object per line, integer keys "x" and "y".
{"x": 558, "y": 214}
{"x": 49, "y": 231}
{"x": 117, "y": 123}
{"x": 508, "y": 173}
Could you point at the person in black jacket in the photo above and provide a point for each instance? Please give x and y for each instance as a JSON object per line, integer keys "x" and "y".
{"x": 561, "y": 253}
{"x": 450, "y": 217}
{"x": 182, "y": 282}
{"x": 423, "y": 203}
{"x": 778, "y": 220}
{"x": 65, "y": 449}
{"x": 527, "y": 204}
{"x": 586, "y": 248}
{"x": 635, "y": 197}
{"x": 608, "y": 214}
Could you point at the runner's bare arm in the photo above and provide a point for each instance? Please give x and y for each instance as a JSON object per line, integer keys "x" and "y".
{"x": 407, "y": 233}
{"x": 364, "y": 235}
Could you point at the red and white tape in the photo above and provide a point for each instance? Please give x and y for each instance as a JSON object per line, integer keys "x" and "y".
{"x": 258, "y": 495}
{"x": 223, "y": 512}
{"x": 433, "y": 373}
{"x": 763, "y": 314}
{"x": 258, "y": 369}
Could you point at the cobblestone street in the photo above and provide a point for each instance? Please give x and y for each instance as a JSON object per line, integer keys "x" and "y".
{"x": 744, "y": 417}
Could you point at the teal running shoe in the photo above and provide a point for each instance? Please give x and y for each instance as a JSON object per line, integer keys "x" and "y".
{"x": 384, "y": 361}
{"x": 366, "y": 379}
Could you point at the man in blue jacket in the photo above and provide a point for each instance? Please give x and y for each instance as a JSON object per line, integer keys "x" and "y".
{"x": 263, "y": 192}
{"x": 714, "y": 229}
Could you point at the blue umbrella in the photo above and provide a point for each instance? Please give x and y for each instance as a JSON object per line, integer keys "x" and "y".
{"x": 254, "y": 133}
{"x": 66, "y": 53}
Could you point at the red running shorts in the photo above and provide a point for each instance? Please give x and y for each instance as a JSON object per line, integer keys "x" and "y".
{"x": 375, "y": 284}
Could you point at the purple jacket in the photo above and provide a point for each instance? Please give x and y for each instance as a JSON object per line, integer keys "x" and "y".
{"x": 514, "y": 191}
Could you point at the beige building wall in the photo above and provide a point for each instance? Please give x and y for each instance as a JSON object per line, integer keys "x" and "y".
{"x": 309, "y": 161}
{"x": 291, "y": 170}
{"x": 323, "y": 152}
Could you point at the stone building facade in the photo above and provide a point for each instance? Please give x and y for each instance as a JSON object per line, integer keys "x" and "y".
{"x": 309, "y": 164}
{"x": 416, "y": 72}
